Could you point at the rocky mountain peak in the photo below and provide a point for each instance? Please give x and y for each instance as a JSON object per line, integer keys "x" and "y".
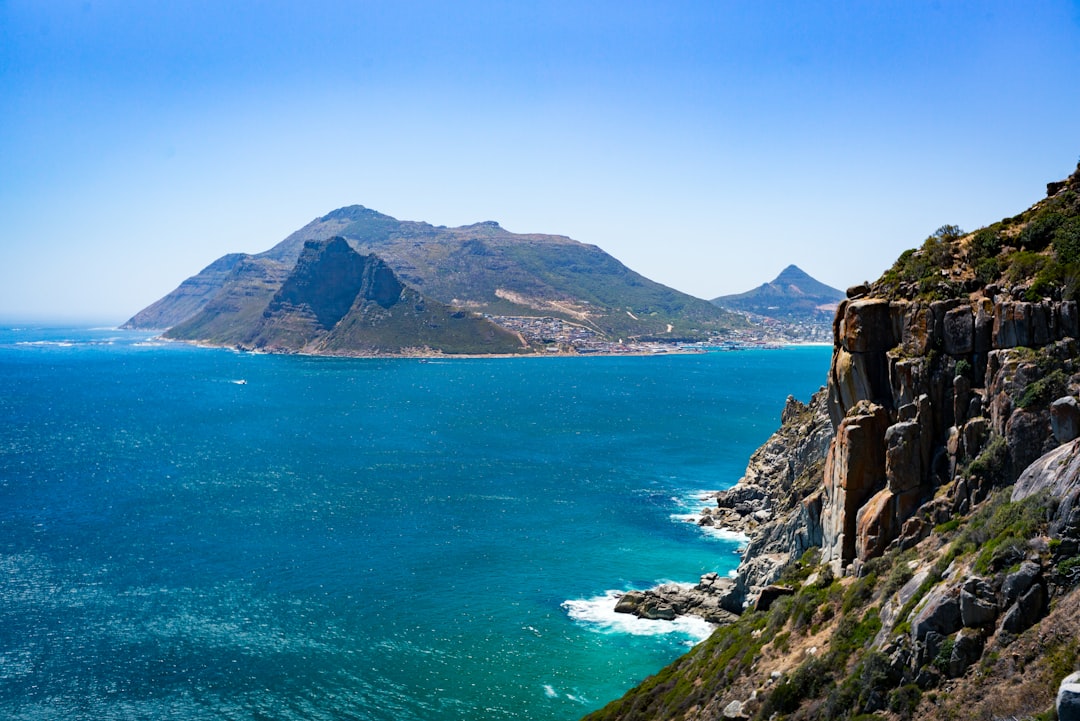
{"x": 328, "y": 277}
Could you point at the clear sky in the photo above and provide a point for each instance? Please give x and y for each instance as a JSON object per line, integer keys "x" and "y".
{"x": 705, "y": 144}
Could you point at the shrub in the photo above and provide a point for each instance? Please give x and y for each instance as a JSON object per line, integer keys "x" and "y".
{"x": 944, "y": 655}
{"x": 1023, "y": 265}
{"x": 1067, "y": 241}
{"x": 805, "y": 682}
{"x": 1043, "y": 391}
{"x": 988, "y": 270}
{"x": 904, "y": 700}
{"x": 1040, "y": 231}
{"x": 990, "y": 463}
{"x": 985, "y": 244}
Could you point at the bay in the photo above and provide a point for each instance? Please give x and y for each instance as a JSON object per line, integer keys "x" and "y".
{"x": 189, "y": 533}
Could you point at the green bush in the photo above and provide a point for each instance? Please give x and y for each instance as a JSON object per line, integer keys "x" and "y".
{"x": 987, "y": 270}
{"x": 904, "y": 700}
{"x": 944, "y": 654}
{"x": 985, "y": 244}
{"x": 990, "y": 463}
{"x": 1024, "y": 265}
{"x": 1044, "y": 391}
{"x": 805, "y": 682}
{"x": 1067, "y": 241}
{"x": 1040, "y": 231}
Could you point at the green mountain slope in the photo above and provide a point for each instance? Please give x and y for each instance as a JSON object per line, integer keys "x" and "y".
{"x": 791, "y": 296}
{"x": 485, "y": 268}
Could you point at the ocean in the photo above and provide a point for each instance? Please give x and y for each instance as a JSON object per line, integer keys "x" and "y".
{"x": 189, "y": 533}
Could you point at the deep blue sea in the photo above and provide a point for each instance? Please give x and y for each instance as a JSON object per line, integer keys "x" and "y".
{"x": 189, "y": 533}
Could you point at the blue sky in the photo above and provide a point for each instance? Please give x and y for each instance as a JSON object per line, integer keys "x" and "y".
{"x": 705, "y": 144}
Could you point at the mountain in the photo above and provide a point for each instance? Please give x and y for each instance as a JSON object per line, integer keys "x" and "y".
{"x": 335, "y": 301}
{"x": 914, "y": 530}
{"x": 480, "y": 267}
{"x": 793, "y": 296}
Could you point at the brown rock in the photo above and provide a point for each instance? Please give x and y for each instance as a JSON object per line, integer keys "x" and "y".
{"x": 958, "y": 329}
{"x": 857, "y": 291}
{"x": 983, "y": 326}
{"x": 769, "y": 596}
{"x": 1012, "y": 324}
{"x": 854, "y": 471}
{"x": 903, "y": 457}
{"x": 866, "y": 326}
{"x": 917, "y": 330}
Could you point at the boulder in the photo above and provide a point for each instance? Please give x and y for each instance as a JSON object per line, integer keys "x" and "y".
{"x": 1068, "y": 320}
{"x": 735, "y": 712}
{"x": 976, "y": 432}
{"x": 978, "y": 603}
{"x": 958, "y": 328}
{"x": 629, "y": 602}
{"x": 1068, "y": 698}
{"x": 1041, "y": 332}
{"x": 983, "y": 327}
{"x": 1027, "y": 610}
{"x": 769, "y": 596}
{"x": 876, "y": 525}
{"x": 857, "y": 291}
{"x": 1065, "y": 419}
{"x": 940, "y": 613}
{"x": 1026, "y": 434}
{"x": 930, "y": 648}
{"x": 1017, "y": 583}
{"x": 966, "y": 650}
{"x": 1012, "y": 324}
{"x": 903, "y": 457}
{"x": 866, "y": 326}
{"x": 1057, "y": 472}
{"x": 961, "y": 399}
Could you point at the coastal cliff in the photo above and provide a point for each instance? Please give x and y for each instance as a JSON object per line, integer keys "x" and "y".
{"x": 915, "y": 529}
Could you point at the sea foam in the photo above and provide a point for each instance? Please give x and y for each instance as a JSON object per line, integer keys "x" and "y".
{"x": 598, "y": 614}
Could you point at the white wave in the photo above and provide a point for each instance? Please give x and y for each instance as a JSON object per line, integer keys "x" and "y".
{"x": 57, "y": 343}
{"x": 598, "y": 614}
{"x": 550, "y": 691}
{"x": 719, "y": 533}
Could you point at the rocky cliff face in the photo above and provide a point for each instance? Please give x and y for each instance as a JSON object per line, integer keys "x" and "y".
{"x": 335, "y": 301}
{"x": 938, "y": 475}
{"x": 919, "y": 389}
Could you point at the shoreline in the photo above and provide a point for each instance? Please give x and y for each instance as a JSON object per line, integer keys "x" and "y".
{"x": 438, "y": 355}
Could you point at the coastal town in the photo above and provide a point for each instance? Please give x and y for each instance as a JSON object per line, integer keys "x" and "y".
{"x": 561, "y": 336}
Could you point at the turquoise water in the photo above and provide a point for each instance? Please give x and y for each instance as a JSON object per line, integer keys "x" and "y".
{"x": 353, "y": 539}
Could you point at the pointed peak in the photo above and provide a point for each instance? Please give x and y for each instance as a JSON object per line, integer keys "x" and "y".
{"x": 792, "y": 272}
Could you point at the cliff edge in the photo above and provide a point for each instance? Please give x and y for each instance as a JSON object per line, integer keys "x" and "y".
{"x": 917, "y": 525}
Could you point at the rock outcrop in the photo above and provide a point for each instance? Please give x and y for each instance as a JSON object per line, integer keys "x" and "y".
{"x": 918, "y": 390}
{"x": 954, "y": 377}
{"x": 336, "y": 301}
{"x": 777, "y": 503}
{"x": 669, "y": 600}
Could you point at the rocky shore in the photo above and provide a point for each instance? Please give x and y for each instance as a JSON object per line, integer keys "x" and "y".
{"x": 667, "y": 601}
